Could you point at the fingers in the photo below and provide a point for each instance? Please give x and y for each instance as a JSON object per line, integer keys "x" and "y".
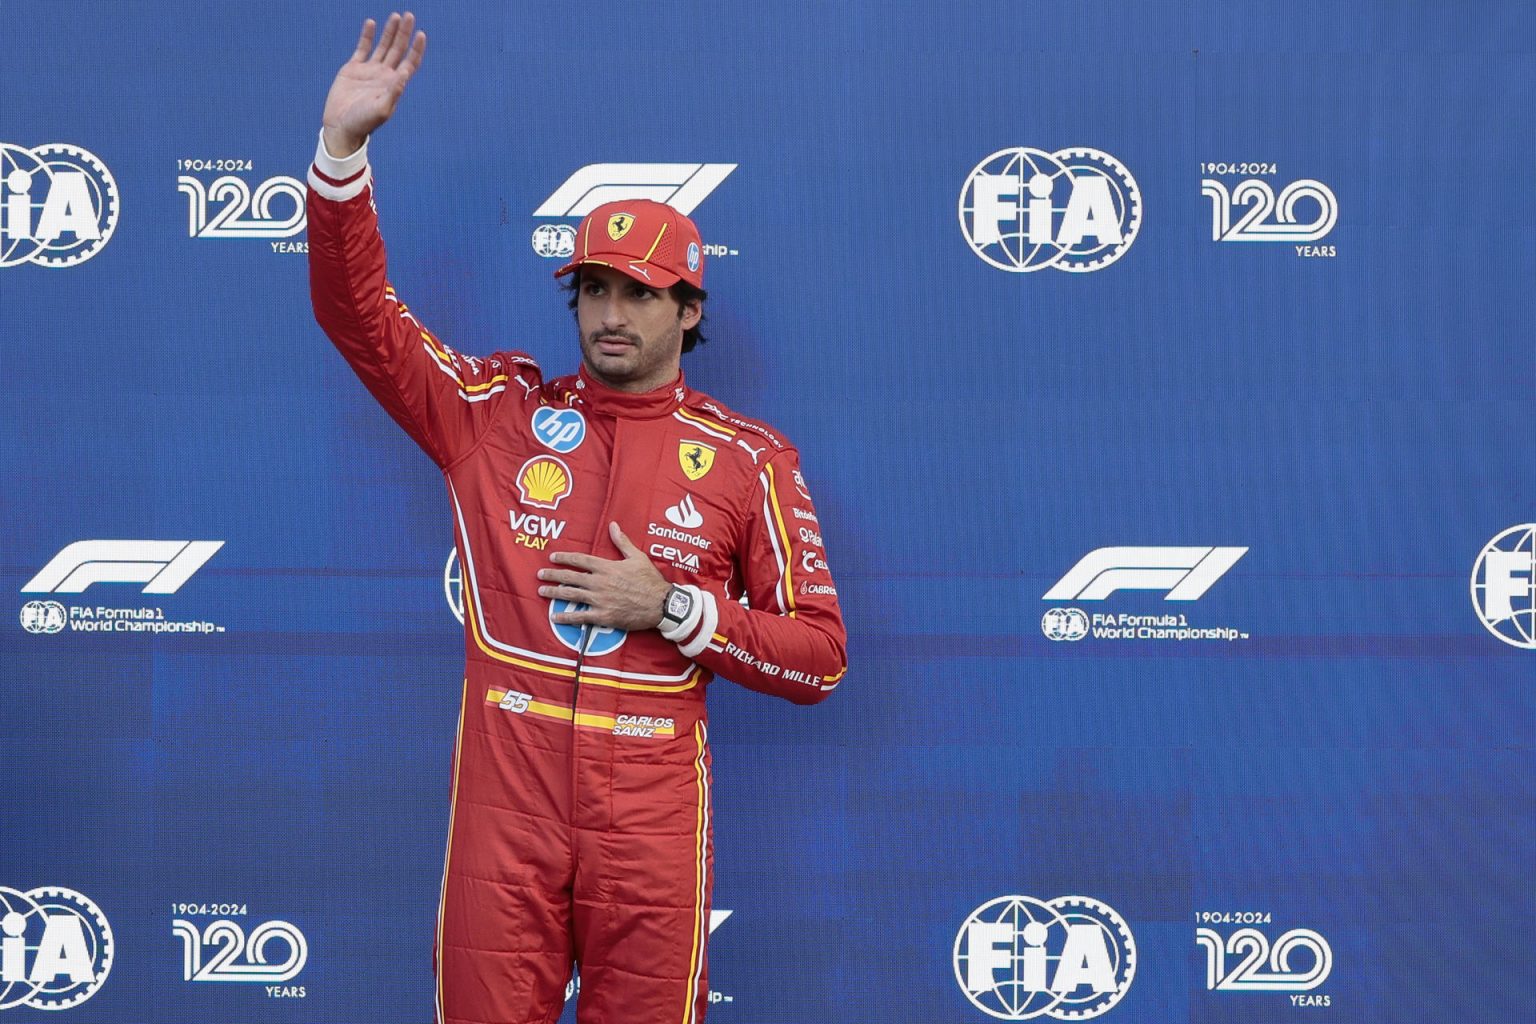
{"x": 622, "y": 542}
{"x": 365, "y": 41}
{"x": 566, "y": 576}
{"x": 576, "y": 594}
{"x": 413, "y": 57}
{"x": 391, "y": 29}
{"x": 584, "y": 617}
{"x": 396, "y": 47}
{"x": 579, "y": 560}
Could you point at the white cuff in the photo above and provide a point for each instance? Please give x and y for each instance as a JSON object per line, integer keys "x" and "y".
{"x": 339, "y": 178}
{"x": 703, "y": 629}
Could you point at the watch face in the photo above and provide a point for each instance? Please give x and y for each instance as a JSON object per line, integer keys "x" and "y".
{"x": 678, "y": 604}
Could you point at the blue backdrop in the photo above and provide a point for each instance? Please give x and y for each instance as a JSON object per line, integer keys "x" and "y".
{"x": 1353, "y": 768}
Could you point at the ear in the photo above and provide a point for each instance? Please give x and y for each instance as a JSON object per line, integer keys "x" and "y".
{"x": 690, "y": 313}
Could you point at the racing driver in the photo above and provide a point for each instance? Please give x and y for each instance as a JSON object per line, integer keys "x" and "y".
{"x": 623, "y": 538}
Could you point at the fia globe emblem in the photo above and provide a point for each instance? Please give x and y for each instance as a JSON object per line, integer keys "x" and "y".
{"x": 1069, "y": 958}
{"x": 1504, "y": 586}
{"x": 1064, "y": 624}
{"x": 554, "y": 240}
{"x": 58, "y": 205}
{"x": 56, "y": 948}
{"x": 46, "y": 617}
{"x": 1076, "y": 209}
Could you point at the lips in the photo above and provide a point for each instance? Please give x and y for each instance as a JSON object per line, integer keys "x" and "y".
{"x": 613, "y": 345}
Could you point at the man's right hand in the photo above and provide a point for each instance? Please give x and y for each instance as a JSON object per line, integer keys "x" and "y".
{"x": 368, "y": 86}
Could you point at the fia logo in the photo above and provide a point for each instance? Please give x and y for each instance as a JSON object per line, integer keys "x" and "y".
{"x": 1071, "y": 958}
{"x": 58, "y": 205}
{"x": 1024, "y": 209}
{"x": 231, "y": 944}
{"x": 242, "y": 213}
{"x": 56, "y": 948}
{"x": 1504, "y": 586}
{"x": 1251, "y": 212}
{"x": 1064, "y": 624}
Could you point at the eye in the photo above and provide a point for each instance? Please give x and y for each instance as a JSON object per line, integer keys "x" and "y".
{"x": 640, "y": 291}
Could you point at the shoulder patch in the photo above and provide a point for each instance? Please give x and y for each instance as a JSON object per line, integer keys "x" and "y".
{"x": 758, "y": 433}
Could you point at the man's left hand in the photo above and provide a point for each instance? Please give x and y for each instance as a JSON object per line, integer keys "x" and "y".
{"x": 620, "y": 594}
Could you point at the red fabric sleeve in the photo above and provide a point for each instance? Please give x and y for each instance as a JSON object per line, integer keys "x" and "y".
{"x": 791, "y": 641}
{"x": 444, "y": 400}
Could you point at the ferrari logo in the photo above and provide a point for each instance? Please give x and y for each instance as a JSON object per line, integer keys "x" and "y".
{"x": 619, "y": 225}
{"x": 695, "y": 457}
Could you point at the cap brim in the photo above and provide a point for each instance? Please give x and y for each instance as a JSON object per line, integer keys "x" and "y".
{"x": 645, "y": 273}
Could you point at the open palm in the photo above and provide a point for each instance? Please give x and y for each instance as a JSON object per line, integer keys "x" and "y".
{"x": 369, "y": 85}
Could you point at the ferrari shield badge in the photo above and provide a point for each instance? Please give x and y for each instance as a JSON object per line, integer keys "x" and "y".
{"x": 695, "y": 457}
{"x": 619, "y": 225}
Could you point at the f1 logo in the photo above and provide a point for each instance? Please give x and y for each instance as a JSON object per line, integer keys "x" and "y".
{"x": 161, "y": 565}
{"x": 681, "y": 186}
{"x": 1185, "y": 573}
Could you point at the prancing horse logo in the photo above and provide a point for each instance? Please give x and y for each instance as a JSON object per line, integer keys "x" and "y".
{"x": 695, "y": 457}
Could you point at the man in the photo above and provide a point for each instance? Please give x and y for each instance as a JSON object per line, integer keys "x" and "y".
{"x": 580, "y": 821}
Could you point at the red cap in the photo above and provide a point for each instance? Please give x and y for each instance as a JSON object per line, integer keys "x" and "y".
{"x": 649, "y": 241}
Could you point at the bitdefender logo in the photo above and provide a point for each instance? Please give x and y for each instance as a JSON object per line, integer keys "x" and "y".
{"x": 1024, "y": 209}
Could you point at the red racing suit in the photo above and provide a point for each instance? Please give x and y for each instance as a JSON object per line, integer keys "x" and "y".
{"x": 580, "y": 827}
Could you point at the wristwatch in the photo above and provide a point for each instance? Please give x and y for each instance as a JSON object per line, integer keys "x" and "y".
{"x": 675, "y": 608}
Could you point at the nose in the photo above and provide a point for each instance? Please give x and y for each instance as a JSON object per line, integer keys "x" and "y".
{"x": 612, "y": 311}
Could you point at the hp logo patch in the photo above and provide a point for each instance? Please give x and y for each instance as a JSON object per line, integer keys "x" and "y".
{"x": 594, "y": 641}
{"x": 560, "y": 429}
{"x": 1070, "y": 958}
{"x": 693, "y": 256}
{"x": 1504, "y": 586}
{"x": 1065, "y": 624}
{"x": 1025, "y": 209}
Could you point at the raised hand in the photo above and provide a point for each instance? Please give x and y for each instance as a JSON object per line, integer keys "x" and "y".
{"x": 368, "y": 87}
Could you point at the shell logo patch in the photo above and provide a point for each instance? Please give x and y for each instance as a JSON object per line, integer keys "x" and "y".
{"x": 695, "y": 457}
{"x": 544, "y": 481}
{"x": 619, "y": 225}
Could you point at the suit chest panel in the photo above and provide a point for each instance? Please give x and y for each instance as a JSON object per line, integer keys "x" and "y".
{"x": 552, "y": 478}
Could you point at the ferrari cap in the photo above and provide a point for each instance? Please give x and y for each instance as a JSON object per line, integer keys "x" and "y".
{"x": 649, "y": 241}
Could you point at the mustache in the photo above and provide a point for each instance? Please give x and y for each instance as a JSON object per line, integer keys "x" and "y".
{"x": 633, "y": 339}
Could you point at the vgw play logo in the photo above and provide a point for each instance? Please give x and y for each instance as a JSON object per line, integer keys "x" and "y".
{"x": 1071, "y": 958}
{"x": 1024, "y": 209}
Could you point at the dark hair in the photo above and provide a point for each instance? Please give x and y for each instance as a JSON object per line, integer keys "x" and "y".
{"x": 683, "y": 292}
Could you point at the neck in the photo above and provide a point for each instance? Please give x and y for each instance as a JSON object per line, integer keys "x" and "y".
{"x": 638, "y": 386}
